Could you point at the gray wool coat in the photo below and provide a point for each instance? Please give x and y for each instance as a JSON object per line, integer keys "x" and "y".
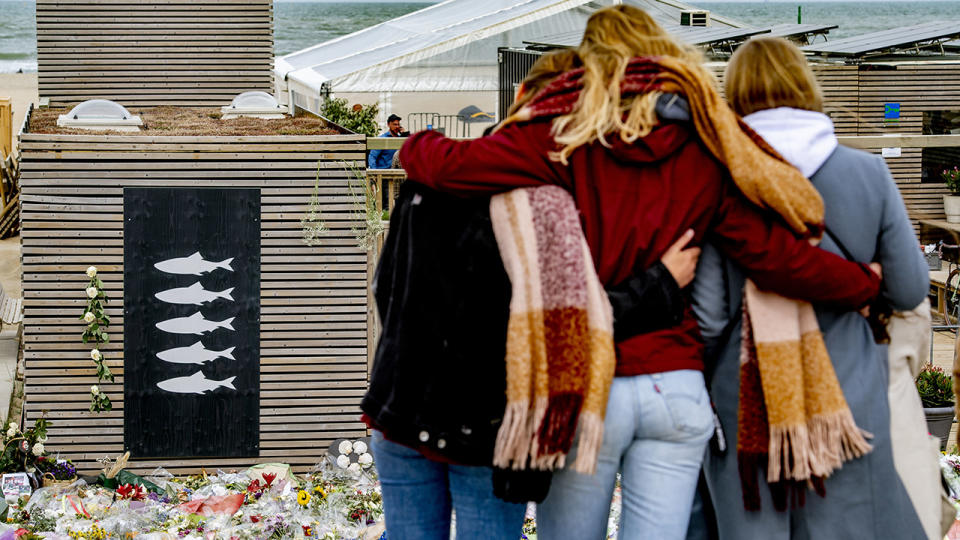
{"x": 864, "y": 499}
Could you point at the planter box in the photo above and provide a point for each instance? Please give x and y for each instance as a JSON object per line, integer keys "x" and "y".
{"x": 939, "y": 422}
{"x": 951, "y": 207}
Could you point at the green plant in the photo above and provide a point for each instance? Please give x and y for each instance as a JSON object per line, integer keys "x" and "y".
{"x": 952, "y": 179}
{"x": 358, "y": 118}
{"x": 23, "y": 449}
{"x": 97, "y": 321}
{"x": 935, "y": 387}
{"x": 312, "y": 221}
{"x": 365, "y": 210}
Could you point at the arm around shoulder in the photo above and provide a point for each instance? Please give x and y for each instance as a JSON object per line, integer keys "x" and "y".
{"x": 779, "y": 261}
{"x": 516, "y": 156}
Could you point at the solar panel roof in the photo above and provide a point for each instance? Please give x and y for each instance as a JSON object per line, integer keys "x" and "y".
{"x": 694, "y": 35}
{"x": 792, "y": 30}
{"x": 897, "y": 39}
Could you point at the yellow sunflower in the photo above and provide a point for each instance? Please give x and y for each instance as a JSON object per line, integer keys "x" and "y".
{"x": 318, "y": 490}
{"x": 303, "y": 498}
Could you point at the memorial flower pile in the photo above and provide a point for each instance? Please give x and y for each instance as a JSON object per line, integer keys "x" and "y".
{"x": 330, "y": 503}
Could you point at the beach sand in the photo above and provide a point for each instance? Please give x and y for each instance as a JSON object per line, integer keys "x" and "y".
{"x": 10, "y": 266}
{"x": 22, "y": 88}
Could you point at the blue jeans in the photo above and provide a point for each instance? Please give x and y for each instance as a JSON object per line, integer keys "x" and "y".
{"x": 418, "y": 495}
{"x": 655, "y": 433}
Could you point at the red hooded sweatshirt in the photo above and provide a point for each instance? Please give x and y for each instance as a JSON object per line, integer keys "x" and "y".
{"x": 635, "y": 201}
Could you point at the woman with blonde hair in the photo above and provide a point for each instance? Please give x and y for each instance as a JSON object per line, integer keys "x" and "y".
{"x": 769, "y": 82}
{"x": 640, "y": 138}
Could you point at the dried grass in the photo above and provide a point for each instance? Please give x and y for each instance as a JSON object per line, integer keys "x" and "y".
{"x": 184, "y": 121}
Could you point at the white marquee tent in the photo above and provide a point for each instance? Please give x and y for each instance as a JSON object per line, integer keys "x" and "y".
{"x": 441, "y": 58}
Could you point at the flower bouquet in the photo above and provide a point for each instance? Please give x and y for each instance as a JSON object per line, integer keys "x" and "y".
{"x": 56, "y": 472}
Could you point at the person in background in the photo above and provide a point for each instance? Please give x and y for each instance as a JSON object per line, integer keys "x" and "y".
{"x": 383, "y": 159}
{"x": 646, "y": 159}
{"x": 769, "y": 83}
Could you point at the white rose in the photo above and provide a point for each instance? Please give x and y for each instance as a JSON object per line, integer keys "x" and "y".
{"x": 354, "y": 468}
{"x": 95, "y": 354}
{"x": 88, "y": 317}
{"x": 365, "y": 460}
{"x": 92, "y": 271}
{"x": 11, "y": 432}
{"x": 92, "y": 292}
{"x": 343, "y": 462}
{"x": 38, "y": 449}
{"x": 14, "y": 426}
{"x": 345, "y": 448}
{"x": 95, "y": 390}
{"x": 44, "y": 439}
{"x": 360, "y": 447}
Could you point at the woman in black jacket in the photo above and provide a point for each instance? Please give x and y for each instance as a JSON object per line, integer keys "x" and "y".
{"x": 437, "y": 389}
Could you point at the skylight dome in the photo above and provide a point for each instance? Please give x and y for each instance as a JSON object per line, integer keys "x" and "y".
{"x": 100, "y": 114}
{"x": 257, "y": 104}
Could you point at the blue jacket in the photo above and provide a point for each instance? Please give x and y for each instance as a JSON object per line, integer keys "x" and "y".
{"x": 381, "y": 159}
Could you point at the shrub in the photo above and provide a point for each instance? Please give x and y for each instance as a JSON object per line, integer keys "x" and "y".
{"x": 935, "y": 387}
{"x": 358, "y": 118}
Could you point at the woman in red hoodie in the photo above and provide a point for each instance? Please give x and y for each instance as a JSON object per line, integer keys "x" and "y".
{"x": 638, "y": 137}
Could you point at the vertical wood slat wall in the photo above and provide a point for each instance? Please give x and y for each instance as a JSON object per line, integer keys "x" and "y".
{"x": 144, "y": 53}
{"x": 313, "y": 299}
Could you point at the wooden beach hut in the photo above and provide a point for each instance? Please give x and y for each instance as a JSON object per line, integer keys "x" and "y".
{"x": 233, "y": 342}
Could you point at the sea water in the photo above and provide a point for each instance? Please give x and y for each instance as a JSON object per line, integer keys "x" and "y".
{"x": 298, "y": 25}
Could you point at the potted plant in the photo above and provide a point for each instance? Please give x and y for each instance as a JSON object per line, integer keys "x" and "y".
{"x": 935, "y": 387}
{"x": 951, "y": 202}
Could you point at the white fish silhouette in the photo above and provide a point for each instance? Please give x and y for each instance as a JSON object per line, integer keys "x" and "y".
{"x": 194, "y": 384}
{"x": 194, "y": 354}
{"x": 194, "y": 294}
{"x": 194, "y": 324}
{"x": 194, "y": 264}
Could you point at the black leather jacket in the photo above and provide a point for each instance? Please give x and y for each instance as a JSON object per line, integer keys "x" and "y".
{"x": 439, "y": 378}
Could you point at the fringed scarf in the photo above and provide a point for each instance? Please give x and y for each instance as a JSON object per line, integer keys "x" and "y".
{"x": 793, "y": 419}
{"x": 560, "y": 355}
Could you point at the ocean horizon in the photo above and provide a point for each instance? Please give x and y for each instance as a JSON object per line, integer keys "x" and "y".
{"x": 299, "y": 24}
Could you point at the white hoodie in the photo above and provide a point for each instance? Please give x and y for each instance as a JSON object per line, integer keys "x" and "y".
{"x": 803, "y": 138}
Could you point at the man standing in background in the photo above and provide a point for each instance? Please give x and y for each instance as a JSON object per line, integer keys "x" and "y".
{"x": 382, "y": 159}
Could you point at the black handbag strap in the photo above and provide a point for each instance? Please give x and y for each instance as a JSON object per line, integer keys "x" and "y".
{"x": 843, "y": 248}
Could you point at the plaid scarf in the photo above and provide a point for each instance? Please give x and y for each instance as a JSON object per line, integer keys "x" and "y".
{"x": 560, "y": 356}
{"x": 793, "y": 419}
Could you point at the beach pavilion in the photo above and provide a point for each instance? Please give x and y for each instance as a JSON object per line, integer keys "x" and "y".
{"x": 442, "y": 59}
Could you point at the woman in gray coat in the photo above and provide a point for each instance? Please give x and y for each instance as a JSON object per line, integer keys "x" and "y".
{"x": 769, "y": 83}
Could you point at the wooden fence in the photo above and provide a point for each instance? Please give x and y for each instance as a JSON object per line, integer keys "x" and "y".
{"x": 144, "y": 53}
{"x": 313, "y": 338}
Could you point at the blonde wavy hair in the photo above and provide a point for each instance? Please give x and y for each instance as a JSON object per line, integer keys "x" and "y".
{"x": 769, "y": 72}
{"x": 614, "y": 36}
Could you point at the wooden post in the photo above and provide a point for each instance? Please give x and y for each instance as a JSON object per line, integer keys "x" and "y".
{"x": 6, "y": 127}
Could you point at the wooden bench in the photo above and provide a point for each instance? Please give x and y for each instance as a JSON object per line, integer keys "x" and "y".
{"x": 11, "y": 309}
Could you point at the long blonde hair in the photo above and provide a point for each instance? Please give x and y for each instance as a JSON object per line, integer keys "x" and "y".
{"x": 614, "y": 36}
{"x": 768, "y": 72}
